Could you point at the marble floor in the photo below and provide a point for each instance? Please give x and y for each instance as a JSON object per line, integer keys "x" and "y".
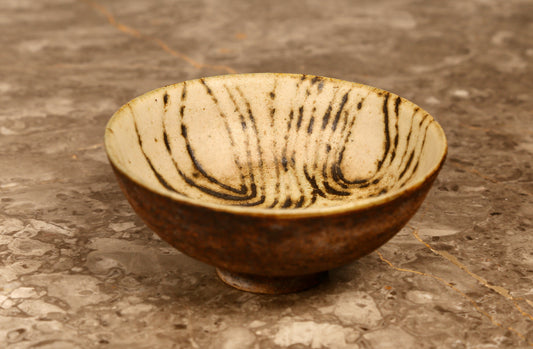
{"x": 78, "y": 269}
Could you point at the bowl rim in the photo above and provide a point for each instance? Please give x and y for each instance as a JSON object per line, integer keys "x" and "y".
{"x": 357, "y": 205}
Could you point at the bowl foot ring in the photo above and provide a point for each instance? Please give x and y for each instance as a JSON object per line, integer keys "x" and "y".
{"x": 268, "y": 284}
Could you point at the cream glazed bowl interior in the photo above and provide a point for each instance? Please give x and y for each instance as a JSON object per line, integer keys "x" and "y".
{"x": 274, "y": 178}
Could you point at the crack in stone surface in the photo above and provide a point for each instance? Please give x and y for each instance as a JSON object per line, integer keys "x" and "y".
{"x": 126, "y": 29}
{"x": 461, "y": 293}
{"x": 498, "y": 289}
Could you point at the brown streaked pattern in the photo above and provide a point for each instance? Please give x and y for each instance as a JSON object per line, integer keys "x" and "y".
{"x": 274, "y": 179}
{"x": 289, "y": 142}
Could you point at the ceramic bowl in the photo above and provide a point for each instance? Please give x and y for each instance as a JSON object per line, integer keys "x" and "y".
{"x": 274, "y": 178}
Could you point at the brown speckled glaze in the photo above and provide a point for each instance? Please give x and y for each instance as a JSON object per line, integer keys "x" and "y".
{"x": 270, "y": 246}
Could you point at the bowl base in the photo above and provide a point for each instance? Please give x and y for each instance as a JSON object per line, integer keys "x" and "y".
{"x": 269, "y": 284}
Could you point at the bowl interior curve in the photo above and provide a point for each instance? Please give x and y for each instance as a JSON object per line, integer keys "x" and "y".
{"x": 274, "y": 141}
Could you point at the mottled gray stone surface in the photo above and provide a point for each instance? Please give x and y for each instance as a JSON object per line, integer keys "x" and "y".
{"x": 78, "y": 269}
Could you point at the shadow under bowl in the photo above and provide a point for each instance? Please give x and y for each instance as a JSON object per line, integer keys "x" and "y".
{"x": 274, "y": 178}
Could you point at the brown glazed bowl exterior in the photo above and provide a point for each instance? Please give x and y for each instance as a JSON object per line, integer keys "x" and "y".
{"x": 274, "y": 245}
{"x": 266, "y": 251}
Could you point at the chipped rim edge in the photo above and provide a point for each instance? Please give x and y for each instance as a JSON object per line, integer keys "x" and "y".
{"x": 358, "y": 205}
